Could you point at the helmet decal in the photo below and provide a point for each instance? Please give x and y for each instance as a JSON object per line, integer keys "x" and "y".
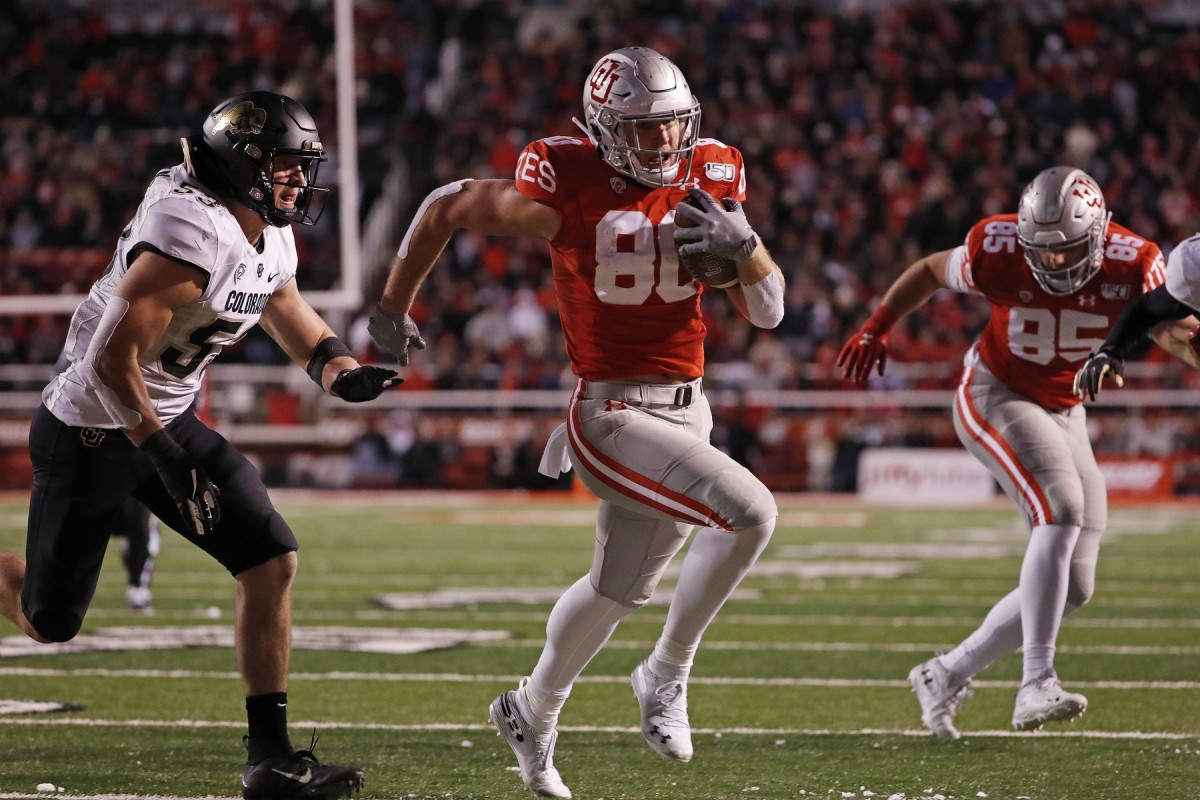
{"x": 604, "y": 77}
{"x": 243, "y": 118}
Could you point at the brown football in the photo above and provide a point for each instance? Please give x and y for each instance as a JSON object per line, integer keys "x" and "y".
{"x": 708, "y": 268}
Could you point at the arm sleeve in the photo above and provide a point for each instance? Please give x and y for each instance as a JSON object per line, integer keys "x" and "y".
{"x": 1141, "y": 315}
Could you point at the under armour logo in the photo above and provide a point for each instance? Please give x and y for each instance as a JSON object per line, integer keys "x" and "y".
{"x": 92, "y": 437}
{"x": 1087, "y": 301}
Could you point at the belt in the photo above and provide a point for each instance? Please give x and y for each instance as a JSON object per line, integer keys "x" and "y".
{"x": 643, "y": 394}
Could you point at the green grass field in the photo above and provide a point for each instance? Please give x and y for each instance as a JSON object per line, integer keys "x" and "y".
{"x": 798, "y": 692}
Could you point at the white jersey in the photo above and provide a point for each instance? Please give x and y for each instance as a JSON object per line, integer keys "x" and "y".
{"x": 179, "y": 219}
{"x": 1183, "y": 273}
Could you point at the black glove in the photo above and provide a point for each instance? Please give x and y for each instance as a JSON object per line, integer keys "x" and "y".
{"x": 1091, "y": 374}
{"x": 194, "y": 494}
{"x": 722, "y": 230}
{"x": 363, "y": 383}
{"x": 395, "y": 333}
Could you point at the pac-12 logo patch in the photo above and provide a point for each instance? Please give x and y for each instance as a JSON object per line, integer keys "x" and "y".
{"x": 617, "y": 185}
{"x": 716, "y": 171}
{"x": 1114, "y": 291}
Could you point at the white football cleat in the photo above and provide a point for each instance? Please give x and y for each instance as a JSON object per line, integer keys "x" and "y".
{"x": 1043, "y": 700}
{"x": 664, "y": 713}
{"x": 138, "y": 598}
{"x": 534, "y": 749}
{"x": 939, "y": 699}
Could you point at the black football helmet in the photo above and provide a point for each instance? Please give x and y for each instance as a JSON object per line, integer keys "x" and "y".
{"x": 236, "y": 153}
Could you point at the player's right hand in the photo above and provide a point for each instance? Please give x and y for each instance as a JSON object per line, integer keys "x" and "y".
{"x": 395, "y": 333}
{"x": 196, "y": 497}
{"x": 863, "y": 351}
{"x": 720, "y": 229}
{"x": 1091, "y": 374}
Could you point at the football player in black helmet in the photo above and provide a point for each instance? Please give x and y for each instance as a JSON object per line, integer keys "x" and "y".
{"x": 208, "y": 255}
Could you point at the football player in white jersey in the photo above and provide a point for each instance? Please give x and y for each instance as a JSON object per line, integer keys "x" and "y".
{"x": 1177, "y": 298}
{"x": 208, "y": 255}
{"x": 1057, "y": 273}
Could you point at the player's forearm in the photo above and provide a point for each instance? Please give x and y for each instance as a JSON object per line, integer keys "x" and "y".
{"x": 120, "y": 373}
{"x": 1143, "y": 314}
{"x": 758, "y": 266}
{"x": 426, "y": 238}
{"x": 1175, "y": 337}
{"x": 915, "y": 285}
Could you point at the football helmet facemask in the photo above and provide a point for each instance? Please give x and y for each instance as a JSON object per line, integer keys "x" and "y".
{"x": 241, "y": 141}
{"x": 1062, "y": 208}
{"x": 632, "y": 86}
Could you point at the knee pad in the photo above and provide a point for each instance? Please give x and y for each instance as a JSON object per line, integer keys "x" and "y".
{"x": 56, "y": 626}
{"x": 1079, "y": 589}
{"x": 1066, "y": 504}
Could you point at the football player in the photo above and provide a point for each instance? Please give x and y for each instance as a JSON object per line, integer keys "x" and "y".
{"x": 209, "y": 254}
{"x": 638, "y": 425}
{"x": 138, "y": 531}
{"x": 1178, "y": 298}
{"x": 1057, "y": 273}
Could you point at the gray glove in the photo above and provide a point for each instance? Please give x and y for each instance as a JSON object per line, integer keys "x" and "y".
{"x": 395, "y": 333}
{"x": 722, "y": 231}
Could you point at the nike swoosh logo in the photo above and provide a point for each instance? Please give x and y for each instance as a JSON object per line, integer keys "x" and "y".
{"x": 272, "y": 276}
{"x": 302, "y": 778}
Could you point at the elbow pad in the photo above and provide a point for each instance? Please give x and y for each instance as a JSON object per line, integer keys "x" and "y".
{"x": 764, "y": 301}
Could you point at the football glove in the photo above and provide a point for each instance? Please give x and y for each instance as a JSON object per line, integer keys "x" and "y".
{"x": 196, "y": 497}
{"x": 1091, "y": 374}
{"x": 721, "y": 230}
{"x": 364, "y": 383}
{"x": 395, "y": 333}
{"x": 867, "y": 348}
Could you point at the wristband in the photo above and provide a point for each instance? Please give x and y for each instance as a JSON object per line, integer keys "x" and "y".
{"x": 160, "y": 447}
{"x": 881, "y": 321}
{"x": 326, "y": 350}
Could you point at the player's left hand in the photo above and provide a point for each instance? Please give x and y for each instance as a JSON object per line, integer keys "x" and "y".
{"x": 364, "y": 383}
{"x": 863, "y": 351}
{"x": 722, "y": 230}
{"x": 395, "y": 333}
{"x": 868, "y": 347}
{"x": 1091, "y": 374}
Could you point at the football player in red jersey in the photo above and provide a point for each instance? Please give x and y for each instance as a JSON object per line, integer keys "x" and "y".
{"x": 1057, "y": 273}
{"x": 638, "y": 426}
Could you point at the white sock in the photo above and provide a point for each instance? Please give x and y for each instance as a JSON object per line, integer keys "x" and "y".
{"x": 671, "y": 660}
{"x": 580, "y": 623}
{"x": 998, "y": 635}
{"x": 715, "y": 564}
{"x": 1043, "y": 590}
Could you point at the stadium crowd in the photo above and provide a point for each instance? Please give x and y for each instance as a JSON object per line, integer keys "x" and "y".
{"x": 872, "y": 133}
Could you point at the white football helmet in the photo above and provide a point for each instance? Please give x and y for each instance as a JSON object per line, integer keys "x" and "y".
{"x": 636, "y": 85}
{"x": 1063, "y": 207}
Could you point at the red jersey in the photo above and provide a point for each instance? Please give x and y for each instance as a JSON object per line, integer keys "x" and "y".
{"x": 1035, "y": 342}
{"x": 628, "y": 307}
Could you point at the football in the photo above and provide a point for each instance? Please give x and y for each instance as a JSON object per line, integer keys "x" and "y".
{"x": 709, "y": 269}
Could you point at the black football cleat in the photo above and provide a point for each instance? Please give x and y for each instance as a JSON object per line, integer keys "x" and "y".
{"x": 300, "y": 777}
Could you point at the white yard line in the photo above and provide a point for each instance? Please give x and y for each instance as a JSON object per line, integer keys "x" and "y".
{"x": 450, "y": 726}
{"x": 457, "y": 677}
